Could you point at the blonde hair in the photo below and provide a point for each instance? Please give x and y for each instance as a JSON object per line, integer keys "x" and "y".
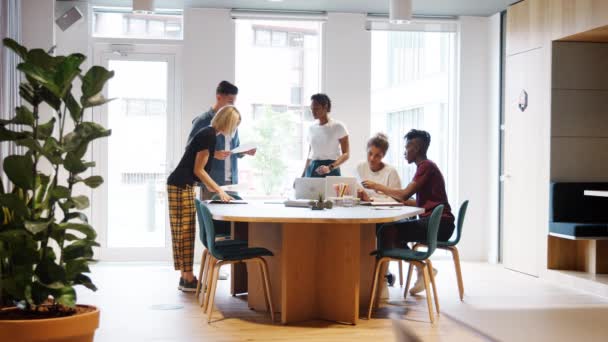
{"x": 227, "y": 119}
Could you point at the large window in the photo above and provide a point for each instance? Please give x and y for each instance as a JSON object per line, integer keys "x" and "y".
{"x": 120, "y": 23}
{"x": 413, "y": 86}
{"x": 278, "y": 68}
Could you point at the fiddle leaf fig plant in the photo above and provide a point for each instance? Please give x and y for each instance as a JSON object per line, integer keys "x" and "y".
{"x": 46, "y": 241}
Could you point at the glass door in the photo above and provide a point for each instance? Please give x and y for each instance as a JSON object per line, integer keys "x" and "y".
{"x": 131, "y": 207}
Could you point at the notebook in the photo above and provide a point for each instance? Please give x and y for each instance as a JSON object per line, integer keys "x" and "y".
{"x": 230, "y": 202}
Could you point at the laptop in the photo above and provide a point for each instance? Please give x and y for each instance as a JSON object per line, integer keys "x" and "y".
{"x": 331, "y": 191}
{"x": 309, "y": 188}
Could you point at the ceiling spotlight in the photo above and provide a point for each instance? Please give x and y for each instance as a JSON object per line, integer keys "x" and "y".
{"x": 143, "y": 6}
{"x": 400, "y": 11}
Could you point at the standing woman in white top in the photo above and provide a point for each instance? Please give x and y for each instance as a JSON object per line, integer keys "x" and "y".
{"x": 328, "y": 140}
{"x": 376, "y": 170}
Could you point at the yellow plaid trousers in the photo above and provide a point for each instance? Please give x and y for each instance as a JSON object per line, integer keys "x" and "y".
{"x": 183, "y": 225}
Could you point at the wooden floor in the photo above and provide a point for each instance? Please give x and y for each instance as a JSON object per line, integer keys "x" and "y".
{"x": 140, "y": 302}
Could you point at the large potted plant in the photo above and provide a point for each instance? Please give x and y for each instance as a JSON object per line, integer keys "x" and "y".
{"x": 46, "y": 242}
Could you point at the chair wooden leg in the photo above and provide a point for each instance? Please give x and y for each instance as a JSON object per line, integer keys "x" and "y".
{"x": 267, "y": 288}
{"x": 429, "y": 301}
{"x": 214, "y": 276}
{"x": 432, "y": 276}
{"x": 409, "y": 280}
{"x": 400, "y": 272}
{"x": 456, "y": 258}
{"x": 205, "y": 282}
{"x": 372, "y": 296}
{"x": 208, "y": 279}
{"x": 200, "y": 273}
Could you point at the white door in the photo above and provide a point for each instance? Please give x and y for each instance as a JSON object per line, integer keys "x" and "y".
{"x": 522, "y": 162}
{"x": 130, "y": 209}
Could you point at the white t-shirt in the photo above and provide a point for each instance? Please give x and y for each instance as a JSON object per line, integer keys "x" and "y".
{"x": 386, "y": 176}
{"x": 325, "y": 140}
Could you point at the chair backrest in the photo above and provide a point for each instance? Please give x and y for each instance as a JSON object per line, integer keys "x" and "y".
{"x": 207, "y": 229}
{"x": 234, "y": 195}
{"x": 432, "y": 230}
{"x": 460, "y": 222}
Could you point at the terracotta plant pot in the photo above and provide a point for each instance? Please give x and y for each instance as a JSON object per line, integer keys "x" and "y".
{"x": 76, "y": 328}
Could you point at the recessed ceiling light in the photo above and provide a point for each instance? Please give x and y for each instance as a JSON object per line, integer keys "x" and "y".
{"x": 275, "y": 0}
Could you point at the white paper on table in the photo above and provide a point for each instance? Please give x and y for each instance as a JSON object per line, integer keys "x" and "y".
{"x": 243, "y": 148}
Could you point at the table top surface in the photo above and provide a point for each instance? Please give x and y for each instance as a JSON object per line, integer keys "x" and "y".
{"x": 260, "y": 211}
{"x": 597, "y": 193}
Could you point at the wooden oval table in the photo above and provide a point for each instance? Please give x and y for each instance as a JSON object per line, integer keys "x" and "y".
{"x": 321, "y": 268}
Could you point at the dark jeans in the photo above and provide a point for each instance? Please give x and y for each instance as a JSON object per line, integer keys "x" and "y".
{"x": 314, "y": 164}
{"x": 398, "y": 234}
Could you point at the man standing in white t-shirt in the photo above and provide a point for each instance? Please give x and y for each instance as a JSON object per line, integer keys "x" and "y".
{"x": 328, "y": 139}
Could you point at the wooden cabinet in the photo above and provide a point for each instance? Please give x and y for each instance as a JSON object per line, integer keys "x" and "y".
{"x": 570, "y": 17}
{"x": 525, "y": 26}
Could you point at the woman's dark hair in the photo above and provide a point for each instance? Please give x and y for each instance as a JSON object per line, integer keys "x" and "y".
{"x": 423, "y": 137}
{"x": 380, "y": 140}
{"x": 226, "y": 88}
{"x": 323, "y": 100}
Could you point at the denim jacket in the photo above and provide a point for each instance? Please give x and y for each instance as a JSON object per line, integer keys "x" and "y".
{"x": 217, "y": 168}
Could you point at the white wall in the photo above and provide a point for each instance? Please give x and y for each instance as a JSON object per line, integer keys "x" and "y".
{"x": 347, "y": 81}
{"x": 478, "y": 135}
{"x": 208, "y": 57}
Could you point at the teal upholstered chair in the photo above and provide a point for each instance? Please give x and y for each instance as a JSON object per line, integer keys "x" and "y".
{"x": 222, "y": 228}
{"x": 413, "y": 257}
{"x": 222, "y": 241}
{"x": 451, "y": 246}
{"x": 220, "y": 255}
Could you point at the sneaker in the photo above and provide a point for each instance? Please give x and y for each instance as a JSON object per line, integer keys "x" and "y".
{"x": 419, "y": 285}
{"x": 390, "y": 279}
{"x": 181, "y": 283}
{"x": 189, "y": 286}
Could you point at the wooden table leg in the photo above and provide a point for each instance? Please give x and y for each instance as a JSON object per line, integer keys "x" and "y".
{"x": 238, "y": 280}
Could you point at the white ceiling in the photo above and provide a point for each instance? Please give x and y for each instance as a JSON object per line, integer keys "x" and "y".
{"x": 421, "y": 7}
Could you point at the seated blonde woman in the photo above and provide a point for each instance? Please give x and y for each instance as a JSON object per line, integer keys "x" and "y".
{"x": 374, "y": 169}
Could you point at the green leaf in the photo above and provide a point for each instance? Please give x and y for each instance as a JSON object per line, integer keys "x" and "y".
{"x": 77, "y": 215}
{"x": 23, "y": 116}
{"x": 96, "y": 100}
{"x": 65, "y": 296}
{"x": 9, "y": 135}
{"x": 19, "y": 170}
{"x": 46, "y": 130}
{"x": 20, "y": 50}
{"x": 82, "y": 279}
{"x": 94, "y": 81}
{"x": 36, "y": 227}
{"x": 67, "y": 70}
{"x": 49, "y": 97}
{"x": 84, "y": 228}
{"x": 79, "y": 249}
{"x": 73, "y": 164}
{"x": 27, "y": 93}
{"x": 78, "y": 140}
{"x": 49, "y": 272}
{"x": 75, "y": 267}
{"x": 60, "y": 192}
{"x": 93, "y": 181}
{"x": 80, "y": 202}
{"x": 30, "y": 143}
{"x": 42, "y": 59}
{"x": 40, "y": 75}
{"x": 52, "y": 151}
{"x": 13, "y": 202}
{"x": 73, "y": 107}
